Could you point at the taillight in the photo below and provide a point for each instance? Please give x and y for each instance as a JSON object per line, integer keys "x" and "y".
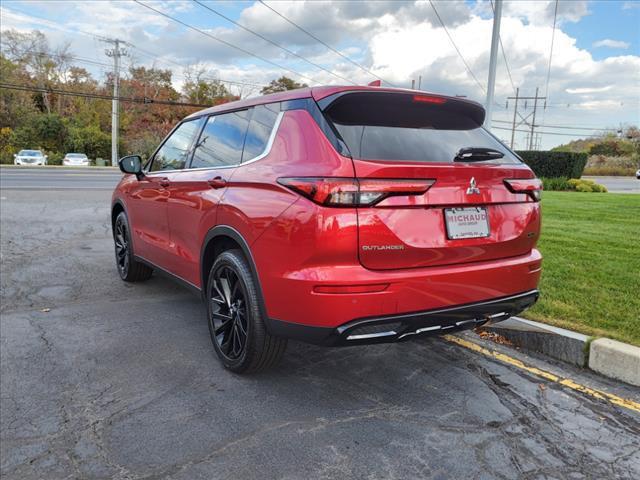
{"x": 352, "y": 192}
{"x": 530, "y": 186}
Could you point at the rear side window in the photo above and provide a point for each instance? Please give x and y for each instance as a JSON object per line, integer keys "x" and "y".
{"x": 263, "y": 119}
{"x": 175, "y": 151}
{"x": 401, "y": 127}
{"x": 221, "y": 141}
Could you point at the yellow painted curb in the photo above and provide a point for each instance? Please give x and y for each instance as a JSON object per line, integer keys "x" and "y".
{"x": 566, "y": 382}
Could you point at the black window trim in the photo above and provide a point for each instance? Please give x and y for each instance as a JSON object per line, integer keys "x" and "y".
{"x": 265, "y": 152}
{"x": 147, "y": 166}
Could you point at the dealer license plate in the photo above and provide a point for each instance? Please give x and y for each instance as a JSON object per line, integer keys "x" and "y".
{"x": 468, "y": 222}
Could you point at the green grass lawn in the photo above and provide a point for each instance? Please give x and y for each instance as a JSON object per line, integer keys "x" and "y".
{"x": 591, "y": 268}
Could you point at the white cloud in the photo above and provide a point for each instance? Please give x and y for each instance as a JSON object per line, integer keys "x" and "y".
{"x": 541, "y": 12}
{"x": 607, "y": 42}
{"x": 586, "y": 90}
{"x": 630, "y": 4}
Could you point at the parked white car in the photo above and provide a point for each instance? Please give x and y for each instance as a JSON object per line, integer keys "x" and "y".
{"x": 638, "y": 174}
{"x": 75, "y": 159}
{"x": 30, "y": 157}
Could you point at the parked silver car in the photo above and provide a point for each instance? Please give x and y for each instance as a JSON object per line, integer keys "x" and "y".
{"x": 30, "y": 157}
{"x": 75, "y": 159}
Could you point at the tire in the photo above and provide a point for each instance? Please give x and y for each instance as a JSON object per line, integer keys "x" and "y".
{"x": 129, "y": 269}
{"x": 235, "y": 322}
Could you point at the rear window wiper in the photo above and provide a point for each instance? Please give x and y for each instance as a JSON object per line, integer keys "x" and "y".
{"x": 477, "y": 154}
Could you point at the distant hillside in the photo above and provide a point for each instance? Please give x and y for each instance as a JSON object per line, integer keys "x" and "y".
{"x": 624, "y": 145}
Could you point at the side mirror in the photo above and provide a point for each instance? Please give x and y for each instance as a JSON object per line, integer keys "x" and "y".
{"x": 131, "y": 164}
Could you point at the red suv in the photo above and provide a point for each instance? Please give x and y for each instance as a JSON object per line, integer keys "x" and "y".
{"x": 336, "y": 216}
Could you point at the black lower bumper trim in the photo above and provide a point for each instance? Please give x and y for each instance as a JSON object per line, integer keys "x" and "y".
{"x": 394, "y": 328}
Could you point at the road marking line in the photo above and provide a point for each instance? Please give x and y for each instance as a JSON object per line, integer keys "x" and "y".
{"x": 599, "y": 394}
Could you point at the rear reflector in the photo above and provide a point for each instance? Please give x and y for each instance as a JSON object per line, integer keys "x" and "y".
{"x": 529, "y": 186}
{"x": 429, "y": 99}
{"x": 352, "y": 192}
{"x": 378, "y": 287}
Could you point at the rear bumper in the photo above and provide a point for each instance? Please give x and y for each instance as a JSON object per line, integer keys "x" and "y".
{"x": 293, "y": 296}
{"x": 394, "y": 328}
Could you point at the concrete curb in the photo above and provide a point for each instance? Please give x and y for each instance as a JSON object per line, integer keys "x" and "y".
{"x": 607, "y": 357}
{"x": 616, "y": 360}
{"x": 558, "y": 343}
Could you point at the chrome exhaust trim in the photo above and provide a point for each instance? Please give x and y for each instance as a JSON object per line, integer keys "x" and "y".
{"x": 366, "y": 336}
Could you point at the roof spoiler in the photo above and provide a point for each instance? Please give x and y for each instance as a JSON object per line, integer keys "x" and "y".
{"x": 473, "y": 111}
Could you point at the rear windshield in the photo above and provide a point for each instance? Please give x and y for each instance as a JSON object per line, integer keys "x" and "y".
{"x": 398, "y": 127}
{"x": 76, "y": 155}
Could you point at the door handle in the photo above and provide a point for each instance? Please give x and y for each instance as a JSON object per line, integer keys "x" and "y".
{"x": 218, "y": 182}
{"x": 164, "y": 182}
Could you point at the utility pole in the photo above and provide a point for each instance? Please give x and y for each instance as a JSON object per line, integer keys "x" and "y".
{"x": 420, "y": 82}
{"x": 515, "y": 111}
{"x": 116, "y": 52}
{"x": 533, "y": 122}
{"x": 491, "y": 83}
{"x": 413, "y": 84}
{"x": 523, "y": 119}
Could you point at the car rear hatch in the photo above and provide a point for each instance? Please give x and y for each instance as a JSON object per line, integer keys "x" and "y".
{"x": 453, "y": 193}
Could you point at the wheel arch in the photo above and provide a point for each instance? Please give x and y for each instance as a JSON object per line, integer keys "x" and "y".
{"x": 116, "y": 208}
{"x": 222, "y": 238}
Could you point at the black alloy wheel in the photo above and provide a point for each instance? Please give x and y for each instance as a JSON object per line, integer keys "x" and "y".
{"x": 129, "y": 269}
{"x": 236, "y": 322}
{"x": 121, "y": 240}
{"x": 229, "y": 312}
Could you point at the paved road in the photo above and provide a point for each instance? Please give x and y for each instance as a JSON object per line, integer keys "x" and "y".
{"x": 34, "y": 178}
{"x": 101, "y": 379}
{"x": 618, "y": 184}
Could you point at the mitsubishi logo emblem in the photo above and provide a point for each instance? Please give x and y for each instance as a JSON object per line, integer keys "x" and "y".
{"x": 473, "y": 188}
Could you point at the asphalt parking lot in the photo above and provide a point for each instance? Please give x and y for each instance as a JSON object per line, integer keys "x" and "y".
{"x": 101, "y": 379}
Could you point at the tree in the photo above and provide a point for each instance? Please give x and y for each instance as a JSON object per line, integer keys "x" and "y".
{"x": 199, "y": 89}
{"x": 7, "y": 145}
{"x": 46, "y": 66}
{"x": 281, "y": 85}
{"x": 89, "y": 140}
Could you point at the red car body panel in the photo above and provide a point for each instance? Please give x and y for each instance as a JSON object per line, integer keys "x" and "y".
{"x": 307, "y": 255}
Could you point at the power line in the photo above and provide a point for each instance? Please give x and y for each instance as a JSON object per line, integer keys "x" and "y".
{"x": 564, "y": 126}
{"x": 213, "y": 79}
{"x": 550, "y": 133}
{"x": 60, "y": 56}
{"x": 353, "y": 62}
{"x": 272, "y": 42}
{"x": 456, "y": 47}
{"x": 224, "y": 42}
{"x": 110, "y": 66}
{"x": 99, "y": 96}
{"x": 146, "y": 52}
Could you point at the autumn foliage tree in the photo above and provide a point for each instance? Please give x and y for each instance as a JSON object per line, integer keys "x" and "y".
{"x": 282, "y": 84}
{"x": 59, "y": 123}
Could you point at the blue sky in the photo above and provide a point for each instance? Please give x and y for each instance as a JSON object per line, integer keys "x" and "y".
{"x": 613, "y": 20}
{"x": 595, "y": 72}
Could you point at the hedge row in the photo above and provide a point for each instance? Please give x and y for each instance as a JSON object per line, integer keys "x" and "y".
{"x": 555, "y": 164}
